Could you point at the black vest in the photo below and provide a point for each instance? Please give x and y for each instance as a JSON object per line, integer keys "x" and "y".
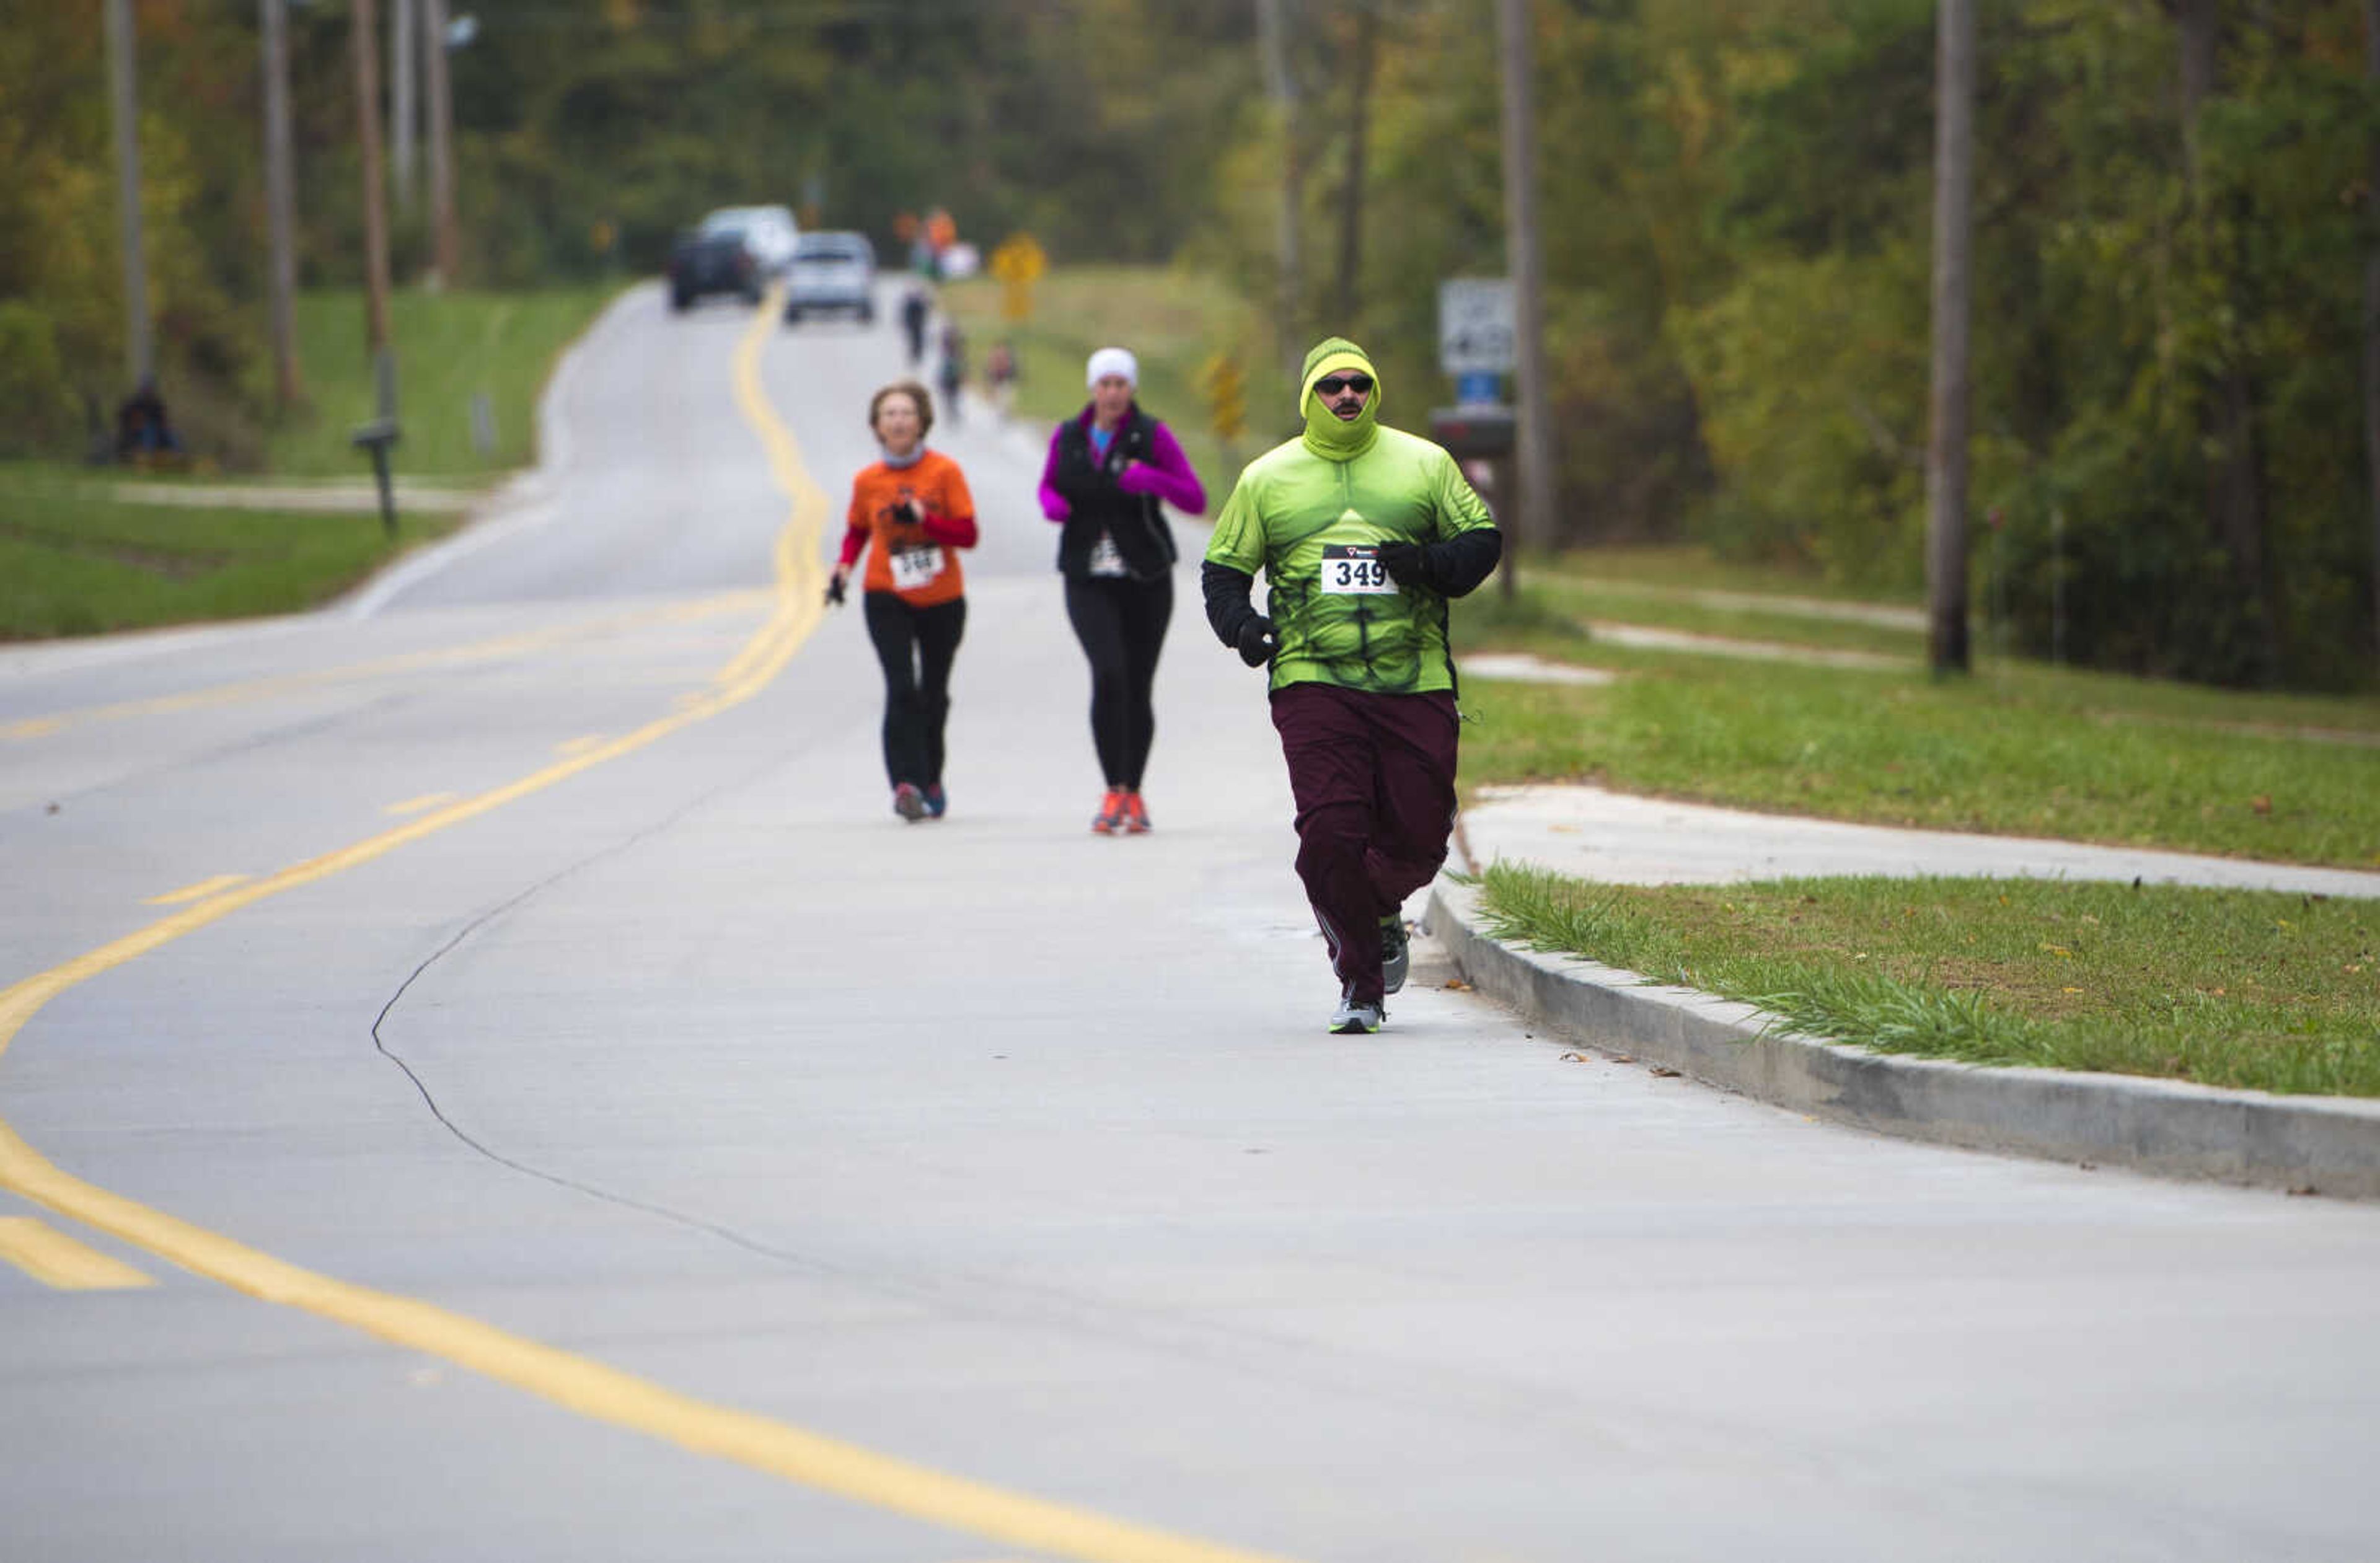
{"x": 1097, "y": 504}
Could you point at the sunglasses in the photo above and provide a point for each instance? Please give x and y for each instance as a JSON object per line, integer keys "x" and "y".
{"x": 1336, "y": 384}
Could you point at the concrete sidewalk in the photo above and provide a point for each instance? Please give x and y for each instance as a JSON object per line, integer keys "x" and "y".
{"x": 2302, "y": 1144}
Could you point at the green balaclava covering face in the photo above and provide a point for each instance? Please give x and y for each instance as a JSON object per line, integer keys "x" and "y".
{"x": 1325, "y": 435}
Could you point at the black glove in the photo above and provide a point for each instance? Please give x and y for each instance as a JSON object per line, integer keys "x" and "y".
{"x": 834, "y": 590}
{"x": 1406, "y": 563}
{"x": 1257, "y": 640}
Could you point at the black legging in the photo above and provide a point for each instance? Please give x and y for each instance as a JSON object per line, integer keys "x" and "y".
{"x": 917, "y": 646}
{"x": 1122, "y": 625}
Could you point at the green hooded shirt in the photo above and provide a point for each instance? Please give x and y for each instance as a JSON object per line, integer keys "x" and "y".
{"x": 1307, "y": 512}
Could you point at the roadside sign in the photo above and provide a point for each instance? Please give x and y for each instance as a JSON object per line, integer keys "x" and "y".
{"x": 1018, "y": 263}
{"x": 1477, "y": 390}
{"x": 1475, "y": 325}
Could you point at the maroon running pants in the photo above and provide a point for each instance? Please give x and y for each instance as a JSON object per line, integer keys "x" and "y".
{"x": 1374, "y": 780}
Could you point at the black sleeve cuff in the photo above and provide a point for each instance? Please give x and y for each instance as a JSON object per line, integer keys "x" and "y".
{"x": 1227, "y": 599}
{"x": 1462, "y": 562}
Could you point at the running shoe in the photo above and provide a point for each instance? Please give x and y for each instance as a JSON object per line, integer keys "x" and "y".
{"x": 1136, "y": 814}
{"x": 938, "y": 802}
{"x": 1109, "y": 819}
{"x": 1357, "y": 1019}
{"x": 909, "y": 803}
{"x": 1396, "y": 953}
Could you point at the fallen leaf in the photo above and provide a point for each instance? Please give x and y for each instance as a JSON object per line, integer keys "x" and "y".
{"x": 1456, "y": 985}
{"x": 1662, "y": 1071}
{"x": 2261, "y": 803}
{"x": 1573, "y": 1058}
{"x": 2070, "y": 991}
{"x": 1623, "y": 1058}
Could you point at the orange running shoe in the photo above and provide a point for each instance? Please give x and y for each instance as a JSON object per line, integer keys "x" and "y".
{"x": 1109, "y": 819}
{"x": 1136, "y": 814}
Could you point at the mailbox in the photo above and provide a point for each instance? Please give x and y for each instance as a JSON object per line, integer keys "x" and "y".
{"x": 375, "y": 438}
{"x": 1480, "y": 434}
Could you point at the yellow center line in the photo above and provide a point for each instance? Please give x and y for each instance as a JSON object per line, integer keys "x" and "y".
{"x": 580, "y": 1384}
{"x": 578, "y": 745}
{"x": 54, "y": 1259}
{"x": 412, "y": 661}
{"x": 192, "y": 892}
{"x": 415, "y": 806}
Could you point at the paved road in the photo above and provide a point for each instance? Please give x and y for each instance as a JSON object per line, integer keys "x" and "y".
{"x": 590, "y": 1126}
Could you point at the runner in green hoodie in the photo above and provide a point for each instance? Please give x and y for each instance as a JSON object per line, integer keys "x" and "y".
{"x": 1362, "y": 534}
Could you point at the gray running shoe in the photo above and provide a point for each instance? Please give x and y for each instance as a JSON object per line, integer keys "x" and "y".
{"x": 909, "y": 803}
{"x": 1353, "y": 1019}
{"x": 1396, "y": 953}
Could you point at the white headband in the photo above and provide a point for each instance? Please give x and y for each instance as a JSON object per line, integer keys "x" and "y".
{"x": 1113, "y": 360}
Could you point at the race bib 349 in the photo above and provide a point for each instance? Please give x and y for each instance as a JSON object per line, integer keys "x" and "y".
{"x": 1355, "y": 570}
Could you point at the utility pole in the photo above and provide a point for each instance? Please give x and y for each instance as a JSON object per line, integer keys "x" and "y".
{"x": 140, "y": 353}
{"x": 445, "y": 249}
{"x": 1535, "y": 453}
{"x": 376, "y": 328}
{"x": 1281, "y": 85}
{"x": 1945, "y": 454}
{"x": 280, "y": 201}
{"x": 403, "y": 117}
{"x": 1366, "y": 43}
{"x": 2371, "y": 321}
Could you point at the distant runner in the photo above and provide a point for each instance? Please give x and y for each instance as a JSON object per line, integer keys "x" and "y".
{"x": 1108, "y": 467}
{"x": 1362, "y": 534}
{"x": 914, "y": 506}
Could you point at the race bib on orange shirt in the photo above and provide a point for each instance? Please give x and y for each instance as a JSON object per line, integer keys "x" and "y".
{"x": 915, "y": 568}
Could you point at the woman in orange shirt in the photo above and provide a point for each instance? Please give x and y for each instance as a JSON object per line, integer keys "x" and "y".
{"x": 914, "y": 506}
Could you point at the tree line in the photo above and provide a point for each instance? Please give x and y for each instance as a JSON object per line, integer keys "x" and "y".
{"x": 2174, "y": 209}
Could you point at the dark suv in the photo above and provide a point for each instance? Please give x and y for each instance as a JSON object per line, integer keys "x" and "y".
{"x": 704, "y": 261}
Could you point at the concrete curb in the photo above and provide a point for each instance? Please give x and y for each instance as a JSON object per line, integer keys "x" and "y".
{"x": 2325, "y": 1144}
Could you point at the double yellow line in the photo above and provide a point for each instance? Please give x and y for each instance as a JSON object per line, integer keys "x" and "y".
{"x": 578, "y": 1383}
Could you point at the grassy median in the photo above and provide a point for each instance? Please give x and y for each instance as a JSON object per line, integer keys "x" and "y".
{"x": 2256, "y": 989}
{"x": 75, "y": 560}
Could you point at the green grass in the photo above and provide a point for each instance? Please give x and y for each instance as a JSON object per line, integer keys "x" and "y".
{"x": 449, "y": 347}
{"x": 1172, "y": 322}
{"x": 2016, "y": 749}
{"x": 1620, "y": 604}
{"x": 75, "y": 561}
{"x": 2256, "y": 989}
{"x": 1685, "y": 568}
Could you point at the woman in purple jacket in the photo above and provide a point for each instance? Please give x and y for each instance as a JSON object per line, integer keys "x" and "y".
{"x": 1111, "y": 470}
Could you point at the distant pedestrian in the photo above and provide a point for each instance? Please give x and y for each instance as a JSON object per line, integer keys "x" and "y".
{"x": 914, "y": 311}
{"x": 1111, "y": 472}
{"x": 914, "y": 508}
{"x": 1362, "y": 533}
{"x": 1000, "y": 378}
{"x": 953, "y": 368}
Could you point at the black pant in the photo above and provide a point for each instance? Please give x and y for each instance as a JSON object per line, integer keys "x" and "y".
{"x": 1121, "y": 622}
{"x": 917, "y": 646}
